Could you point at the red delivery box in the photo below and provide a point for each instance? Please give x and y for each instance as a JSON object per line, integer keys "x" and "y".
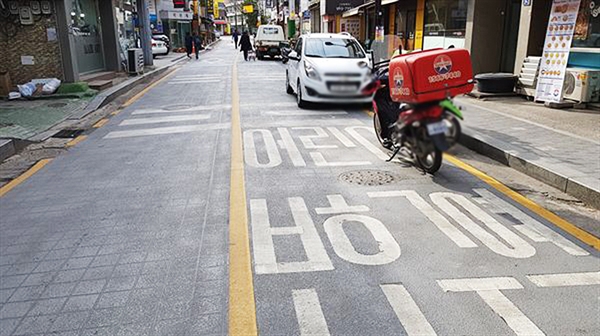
{"x": 430, "y": 75}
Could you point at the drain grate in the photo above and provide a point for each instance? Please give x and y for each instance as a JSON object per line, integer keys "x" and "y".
{"x": 68, "y": 133}
{"x": 55, "y": 105}
{"x": 369, "y": 177}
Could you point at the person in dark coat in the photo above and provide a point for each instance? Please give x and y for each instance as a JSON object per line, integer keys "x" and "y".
{"x": 188, "y": 44}
{"x": 245, "y": 44}
{"x": 197, "y": 44}
{"x": 236, "y": 36}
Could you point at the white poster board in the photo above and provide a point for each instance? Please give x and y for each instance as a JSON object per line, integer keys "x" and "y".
{"x": 557, "y": 46}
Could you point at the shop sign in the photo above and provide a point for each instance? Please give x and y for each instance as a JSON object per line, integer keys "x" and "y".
{"x": 338, "y": 7}
{"x": 559, "y": 35}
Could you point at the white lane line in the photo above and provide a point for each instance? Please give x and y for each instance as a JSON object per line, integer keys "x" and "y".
{"x": 188, "y": 109}
{"x": 165, "y": 130}
{"x": 407, "y": 311}
{"x": 301, "y": 113}
{"x": 142, "y": 121}
{"x": 341, "y": 137}
{"x": 309, "y": 312}
{"x": 489, "y": 290}
{"x": 479, "y": 284}
{"x": 566, "y": 279}
{"x": 305, "y": 123}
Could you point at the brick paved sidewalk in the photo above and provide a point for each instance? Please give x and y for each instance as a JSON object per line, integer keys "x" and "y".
{"x": 532, "y": 143}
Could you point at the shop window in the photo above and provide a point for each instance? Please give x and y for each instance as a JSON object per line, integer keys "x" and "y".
{"x": 445, "y": 23}
{"x": 587, "y": 29}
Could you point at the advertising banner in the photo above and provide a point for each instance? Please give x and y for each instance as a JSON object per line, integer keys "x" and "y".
{"x": 557, "y": 46}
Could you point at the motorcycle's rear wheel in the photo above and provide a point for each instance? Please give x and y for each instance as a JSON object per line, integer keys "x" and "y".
{"x": 430, "y": 162}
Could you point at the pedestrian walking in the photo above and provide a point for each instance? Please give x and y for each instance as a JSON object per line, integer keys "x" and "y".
{"x": 245, "y": 44}
{"x": 197, "y": 44}
{"x": 236, "y": 36}
{"x": 188, "y": 44}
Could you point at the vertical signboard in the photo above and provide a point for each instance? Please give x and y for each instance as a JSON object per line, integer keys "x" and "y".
{"x": 557, "y": 45}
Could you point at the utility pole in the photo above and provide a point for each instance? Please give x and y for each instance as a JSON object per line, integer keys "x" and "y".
{"x": 145, "y": 33}
{"x": 235, "y": 12}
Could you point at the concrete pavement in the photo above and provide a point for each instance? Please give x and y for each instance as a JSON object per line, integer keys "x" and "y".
{"x": 131, "y": 231}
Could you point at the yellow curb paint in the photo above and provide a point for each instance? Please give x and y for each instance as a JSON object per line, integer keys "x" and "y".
{"x": 580, "y": 234}
{"x": 100, "y": 123}
{"x": 76, "y": 140}
{"x": 369, "y": 113}
{"x": 242, "y": 308}
{"x": 115, "y": 112}
{"x": 10, "y": 185}
{"x": 144, "y": 91}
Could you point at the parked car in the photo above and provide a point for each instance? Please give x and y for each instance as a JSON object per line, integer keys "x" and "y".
{"x": 267, "y": 41}
{"x": 164, "y": 38}
{"x": 328, "y": 68}
{"x": 159, "y": 48}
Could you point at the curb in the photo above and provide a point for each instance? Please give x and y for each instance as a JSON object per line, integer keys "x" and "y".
{"x": 549, "y": 171}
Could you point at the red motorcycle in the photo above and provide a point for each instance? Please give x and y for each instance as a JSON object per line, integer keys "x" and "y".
{"x": 414, "y": 113}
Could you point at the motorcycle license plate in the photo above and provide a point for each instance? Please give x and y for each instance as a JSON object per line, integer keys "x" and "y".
{"x": 437, "y": 128}
{"x": 274, "y": 50}
{"x": 343, "y": 88}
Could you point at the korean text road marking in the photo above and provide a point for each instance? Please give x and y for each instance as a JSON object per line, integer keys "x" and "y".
{"x": 143, "y": 121}
{"x": 309, "y": 313}
{"x": 407, "y": 311}
{"x": 567, "y": 279}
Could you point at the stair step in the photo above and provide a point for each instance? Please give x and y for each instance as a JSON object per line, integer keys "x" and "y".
{"x": 100, "y": 84}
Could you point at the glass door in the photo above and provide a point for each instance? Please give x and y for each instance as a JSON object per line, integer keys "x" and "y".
{"x": 85, "y": 23}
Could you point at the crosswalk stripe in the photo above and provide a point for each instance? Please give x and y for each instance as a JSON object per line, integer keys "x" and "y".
{"x": 566, "y": 279}
{"x": 407, "y": 311}
{"x": 142, "y": 121}
{"x": 165, "y": 130}
{"x": 309, "y": 312}
{"x": 186, "y": 110}
{"x": 194, "y": 81}
{"x": 302, "y": 113}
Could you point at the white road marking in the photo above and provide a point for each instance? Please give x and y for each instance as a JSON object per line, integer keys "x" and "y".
{"x": 319, "y": 134}
{"x": 566, "y": 279}
{"x": 165, "y": 130}
{"x": 518, "y": 247}
{"x": 460, "y": 239}
{"x": 366, "y": 143}
{"x": 407, "y": 311}
{"x": 320, "y": 161}
{"x": 338, "y": 205}
{"x": 341, "y": 137}
{"x": 304, "y": 123}
{"x": 291, "y": 148}
{"x": 251, "y": 155}
{"x": 142, "y": 121}
{"x": 309, "y": 313}
{"x": 389, "y": 250}
{"x": 188, "y": 109}
{"x": 301, "y": 113}
{"x": 270, "y": 104}
{"x": 489, "y": 290}
{"x": 262, "y": 240}
{"x": 200, "y": 81}
{"x": 531, "y": 228}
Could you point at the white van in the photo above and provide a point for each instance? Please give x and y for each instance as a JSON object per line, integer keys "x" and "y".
{"x": 267, "y": 41}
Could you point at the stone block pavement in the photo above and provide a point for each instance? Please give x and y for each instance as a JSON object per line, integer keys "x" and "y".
{"x": 538, "y": 141}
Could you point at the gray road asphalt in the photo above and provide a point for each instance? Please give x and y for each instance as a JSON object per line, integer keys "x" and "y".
{"x": 128, "y": 232}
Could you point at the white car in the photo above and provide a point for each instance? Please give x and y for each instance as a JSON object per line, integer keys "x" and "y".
{"x": 159, "y": 48}
{"x": 328, "y": 68}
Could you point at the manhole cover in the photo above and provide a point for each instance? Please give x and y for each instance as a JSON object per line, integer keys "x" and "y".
{"x": 57, "y": 105}
{"x": 369, "y": 177}
{"x": 68, "y": 133}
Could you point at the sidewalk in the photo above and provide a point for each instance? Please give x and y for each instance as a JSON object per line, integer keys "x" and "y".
{"x": 558, "y": 147}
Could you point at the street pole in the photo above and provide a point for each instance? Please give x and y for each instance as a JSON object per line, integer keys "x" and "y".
{"x": 145, "y": 33}
{"x": 235, "y": 12}
{"x": 195, "y": 17}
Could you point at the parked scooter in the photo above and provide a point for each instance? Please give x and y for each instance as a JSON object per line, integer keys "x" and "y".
{"x": 414, "y": 114}
{"x": 286, "y": 49}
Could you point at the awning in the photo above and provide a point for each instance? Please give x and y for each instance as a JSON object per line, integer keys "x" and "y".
{"x": 220, "y": 22}
{"x": 356, "y": 10}
{"x": 388, "y": 2}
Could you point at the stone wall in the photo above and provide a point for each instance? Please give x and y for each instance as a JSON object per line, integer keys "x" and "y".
{"x": 31, "y": 40}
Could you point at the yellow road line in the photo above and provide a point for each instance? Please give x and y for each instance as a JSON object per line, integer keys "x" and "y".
{"x": 242, "y": 308}
{"x": 580, "y": 234}
{"x": 10, "y": 185}
{"x": 369, "y": 112}
{"x": 76, "y": 140}
{"x": 100, "y": 123}
{"x": 144, "y": 91}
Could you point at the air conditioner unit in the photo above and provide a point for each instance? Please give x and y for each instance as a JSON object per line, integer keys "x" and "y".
{"x": 582, "y": 85}
{"x": 135, "y": 61}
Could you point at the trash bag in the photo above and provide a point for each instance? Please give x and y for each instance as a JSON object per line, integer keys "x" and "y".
{"x": 27, "y": 89}
{"x": 51, "y": 86}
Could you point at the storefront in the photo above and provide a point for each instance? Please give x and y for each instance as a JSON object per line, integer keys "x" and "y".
{"x": 585, "y": 50}
{"x": 445, "y": 23}
{"x": 87, "y": 35}
{"x": 125, "y": 12}
{"x": 176, "y": 24}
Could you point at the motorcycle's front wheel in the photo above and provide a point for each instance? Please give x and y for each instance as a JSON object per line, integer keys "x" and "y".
{"x": 430, "y": 162}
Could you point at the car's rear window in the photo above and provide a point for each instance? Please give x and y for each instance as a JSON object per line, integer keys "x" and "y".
{"x": 270, "y": 31}
{"x": 333, "y": 48}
